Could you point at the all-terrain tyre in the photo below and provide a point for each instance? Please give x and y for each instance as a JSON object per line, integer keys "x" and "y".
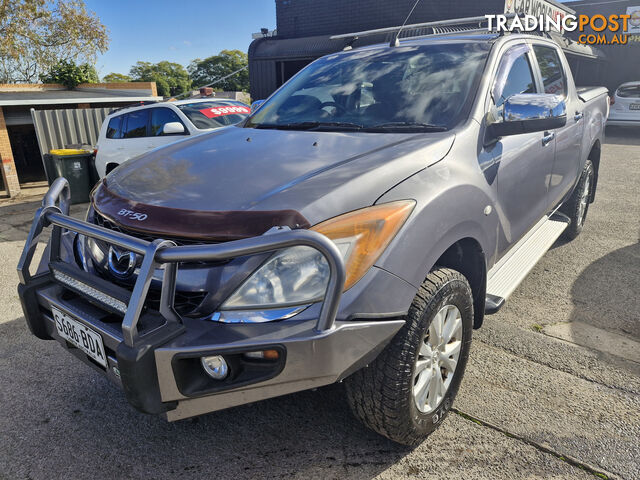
{"x": 387, "y": 394}
{"x": 577, "y": 206}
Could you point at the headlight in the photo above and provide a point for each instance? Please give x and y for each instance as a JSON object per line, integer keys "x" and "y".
{"x": 299, "y": 275}
{"x": 292, "y": 276}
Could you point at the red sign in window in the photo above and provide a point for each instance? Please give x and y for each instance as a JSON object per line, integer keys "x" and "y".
{"x": 225, "y": 110}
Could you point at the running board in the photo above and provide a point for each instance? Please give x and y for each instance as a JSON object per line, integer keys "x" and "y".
{"x": 510, "y": 271}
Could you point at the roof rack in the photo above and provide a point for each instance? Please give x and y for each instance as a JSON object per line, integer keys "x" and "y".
{"x": 466, "y": 25}
{"x": 453, "y": 25}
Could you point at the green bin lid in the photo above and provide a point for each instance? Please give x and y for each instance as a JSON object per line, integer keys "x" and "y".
{"x": 68, "y": 151}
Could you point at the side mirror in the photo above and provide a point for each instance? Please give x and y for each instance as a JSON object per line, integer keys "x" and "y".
{"x": 256, "y": 105}
{"x": 172, "y": 128}
{"x": 529, "y": 112}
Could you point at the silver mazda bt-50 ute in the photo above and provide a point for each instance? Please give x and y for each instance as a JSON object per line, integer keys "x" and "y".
{"x": 356, "y": 227}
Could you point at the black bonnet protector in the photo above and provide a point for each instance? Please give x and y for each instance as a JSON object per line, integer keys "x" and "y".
{"x": 215, "y": 226}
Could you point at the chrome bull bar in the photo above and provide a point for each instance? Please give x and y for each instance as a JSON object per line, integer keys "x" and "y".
{"x": 55, "y": 212}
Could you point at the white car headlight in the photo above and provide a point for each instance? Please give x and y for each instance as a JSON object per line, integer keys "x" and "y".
{"x": 299, "y": 275}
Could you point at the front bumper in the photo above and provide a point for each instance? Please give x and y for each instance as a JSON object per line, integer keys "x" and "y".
{"x": 154, "y": 355}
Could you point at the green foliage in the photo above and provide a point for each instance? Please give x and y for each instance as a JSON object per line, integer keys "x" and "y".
{"x": 171, "y": 78}
{"x": 204, "y": 72}
{"x": 116, "y": 78}
{"x": 37, "y": 34}
{"x": 70, "y": 75}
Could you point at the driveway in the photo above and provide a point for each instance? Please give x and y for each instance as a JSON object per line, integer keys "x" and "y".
{"x": 552, "y": 388}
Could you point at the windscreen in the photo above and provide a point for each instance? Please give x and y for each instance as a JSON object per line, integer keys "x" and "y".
{"x": 425, "y": 87}
{"x": 206, "y": 115}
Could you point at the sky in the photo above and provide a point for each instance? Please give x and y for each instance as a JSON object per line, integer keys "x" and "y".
{"x": 178, "y": 31}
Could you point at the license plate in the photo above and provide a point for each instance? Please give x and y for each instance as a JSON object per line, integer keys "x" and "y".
{"x": 81, "y": 336}
{"x": 634, "y": 106}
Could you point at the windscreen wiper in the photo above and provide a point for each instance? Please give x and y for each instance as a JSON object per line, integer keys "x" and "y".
{"x": 406, "y": 127}
{"x": 311, "y": 126}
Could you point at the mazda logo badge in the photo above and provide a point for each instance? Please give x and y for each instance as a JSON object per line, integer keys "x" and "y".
{"x": 121, "y": 263}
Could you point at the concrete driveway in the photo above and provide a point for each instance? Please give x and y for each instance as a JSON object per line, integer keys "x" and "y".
{"x": 552, "y": 389}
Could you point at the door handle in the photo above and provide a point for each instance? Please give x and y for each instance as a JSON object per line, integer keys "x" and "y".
{"x": 578, "y": 116}
{"x": 548, "y": 136}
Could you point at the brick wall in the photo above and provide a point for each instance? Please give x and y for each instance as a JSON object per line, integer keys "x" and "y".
{"x": 21, "y": 87}
{"x": 9, "y": 174}
{"x": 303, "y": 18}
{"x": 123, "y": 86}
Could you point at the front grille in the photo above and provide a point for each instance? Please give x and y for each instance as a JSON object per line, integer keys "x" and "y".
{"x": 185, "y": 303}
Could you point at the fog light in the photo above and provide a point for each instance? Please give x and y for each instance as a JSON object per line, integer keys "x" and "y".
{"x": 215, "y": 366}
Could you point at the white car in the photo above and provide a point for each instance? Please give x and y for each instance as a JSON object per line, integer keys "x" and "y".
{"x": 130, "y": 132}
{"x": 625, "y": 105}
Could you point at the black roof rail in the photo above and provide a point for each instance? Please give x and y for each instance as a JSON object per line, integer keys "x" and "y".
{"x": 467, "y": 25}
{"x": 439, "y": 27}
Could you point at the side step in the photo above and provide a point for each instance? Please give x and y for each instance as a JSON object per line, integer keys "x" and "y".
{"x": 510, "y": 271}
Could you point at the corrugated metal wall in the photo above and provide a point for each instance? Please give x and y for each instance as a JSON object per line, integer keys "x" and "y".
{"x": 59, "y": 128}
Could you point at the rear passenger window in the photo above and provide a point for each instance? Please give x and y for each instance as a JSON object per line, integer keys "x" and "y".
{"x": 136, "y": 124}
{"x": 160, "y": 117}
{"x": 553, "y": 77}
{"x": 113, "y": 129}
{"x": 514, "y": 75}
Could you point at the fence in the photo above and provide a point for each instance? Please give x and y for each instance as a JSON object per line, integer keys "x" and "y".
{"x": 64, "y": 127}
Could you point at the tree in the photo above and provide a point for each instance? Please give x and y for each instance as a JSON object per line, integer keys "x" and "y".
{"x": 37, "y": 34}
{"x": 204, "y": 72}
{"x": 116, "y": 78}
{"x": 70, "y": 75}
{"x": 171, "y": 78}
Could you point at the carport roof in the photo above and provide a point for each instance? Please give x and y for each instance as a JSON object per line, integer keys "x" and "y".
{"x": 80, "y": 95}
{"x": 306, "y": 47}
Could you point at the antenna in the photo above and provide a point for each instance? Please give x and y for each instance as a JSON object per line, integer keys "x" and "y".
{"x": 349, "y": 43}
{"x": 395, "y": 40}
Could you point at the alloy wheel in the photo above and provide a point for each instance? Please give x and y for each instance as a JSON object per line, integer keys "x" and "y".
{"x": 437, "y": 358}
{"x": 584, "y": 200}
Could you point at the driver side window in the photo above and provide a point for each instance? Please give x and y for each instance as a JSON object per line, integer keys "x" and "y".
{"x": 514, "y": 75}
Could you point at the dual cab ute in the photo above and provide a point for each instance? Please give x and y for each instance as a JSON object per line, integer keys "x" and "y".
{"x": 356, "y": 227}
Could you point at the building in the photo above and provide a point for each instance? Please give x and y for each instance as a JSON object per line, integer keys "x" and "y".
{"x": 304, "y": 28}
{"x": 623, "y": 61}
{"x": 19, "y": 150}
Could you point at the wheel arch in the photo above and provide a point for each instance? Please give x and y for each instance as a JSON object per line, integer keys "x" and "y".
{"x": 454, "y": 226}
{"x": 467, "y": 257}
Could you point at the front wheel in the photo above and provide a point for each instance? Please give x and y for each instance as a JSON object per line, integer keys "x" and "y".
{"x": 407, "y": 391}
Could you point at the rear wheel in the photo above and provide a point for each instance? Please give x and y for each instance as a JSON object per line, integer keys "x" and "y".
{"x": 408, "y": 390}
{"x": 577, "y": 206}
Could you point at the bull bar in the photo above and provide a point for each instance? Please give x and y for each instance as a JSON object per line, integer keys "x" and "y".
{"x": 151, "y": 358}
{"x": 55, "y": 212}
